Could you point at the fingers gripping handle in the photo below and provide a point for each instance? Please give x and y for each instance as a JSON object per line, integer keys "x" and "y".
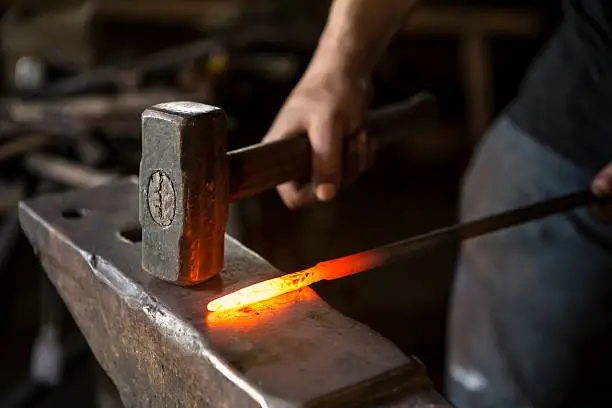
{"x": 261, "y": 167}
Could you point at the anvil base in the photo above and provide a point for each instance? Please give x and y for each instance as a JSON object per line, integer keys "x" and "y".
{"x": 162, "y": 348}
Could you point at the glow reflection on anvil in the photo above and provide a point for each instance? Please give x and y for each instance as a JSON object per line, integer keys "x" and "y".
{"x": 260, "y": 313}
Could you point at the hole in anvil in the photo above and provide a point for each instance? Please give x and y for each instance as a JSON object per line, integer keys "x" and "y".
{"x": 73, "y": 213}
{"x": 131, "y": 235}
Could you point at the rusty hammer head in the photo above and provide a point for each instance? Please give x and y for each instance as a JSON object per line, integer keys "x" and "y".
{"x": 183, "y": 191}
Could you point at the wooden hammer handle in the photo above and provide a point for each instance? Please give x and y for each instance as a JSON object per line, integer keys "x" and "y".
{"x": 263, "y": 166}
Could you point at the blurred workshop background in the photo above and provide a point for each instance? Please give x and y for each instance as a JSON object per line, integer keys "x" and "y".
{"x": 76, "y": 75}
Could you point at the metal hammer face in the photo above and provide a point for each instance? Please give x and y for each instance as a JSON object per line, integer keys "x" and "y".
{"x": 183, "y": 191}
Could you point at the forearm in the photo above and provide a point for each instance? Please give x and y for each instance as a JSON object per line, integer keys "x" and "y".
{"x": 356, "y": 34}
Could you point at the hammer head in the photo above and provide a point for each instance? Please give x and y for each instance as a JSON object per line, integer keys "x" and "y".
{"x": 183, "y": 191}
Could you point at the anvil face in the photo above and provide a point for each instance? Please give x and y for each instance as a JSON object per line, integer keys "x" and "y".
{"x": 162, "y": 348}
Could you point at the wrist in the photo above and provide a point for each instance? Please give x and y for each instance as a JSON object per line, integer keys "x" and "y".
{"x": 334, "y": 78}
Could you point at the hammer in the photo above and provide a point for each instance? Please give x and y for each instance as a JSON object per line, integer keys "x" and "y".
{"x": 187, "y": 178}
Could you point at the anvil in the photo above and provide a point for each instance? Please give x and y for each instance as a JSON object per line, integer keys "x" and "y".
{"x": 162, "y": 348}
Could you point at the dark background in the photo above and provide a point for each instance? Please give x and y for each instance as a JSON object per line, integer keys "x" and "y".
{"x": 411, "y": 190}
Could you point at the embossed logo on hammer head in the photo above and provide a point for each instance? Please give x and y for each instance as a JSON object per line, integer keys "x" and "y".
{"x": 161, "y": 198}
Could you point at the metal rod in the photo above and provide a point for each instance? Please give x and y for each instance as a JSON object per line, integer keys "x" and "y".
{"x": 109, "y": 74}
{"x": 401, "y": 250}
{"x": 66, "y": 172}
{"x": 398, "y": 251}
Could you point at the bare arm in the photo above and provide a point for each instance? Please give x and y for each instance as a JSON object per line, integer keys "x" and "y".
{"x": 356, "y": 34}
{"x": 330, "y": 98}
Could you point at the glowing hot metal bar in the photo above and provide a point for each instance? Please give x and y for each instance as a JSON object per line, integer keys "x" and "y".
{"x": 352, "y": 264}
{"x": 270, "y": 288}
{"x": 265, "y": 290}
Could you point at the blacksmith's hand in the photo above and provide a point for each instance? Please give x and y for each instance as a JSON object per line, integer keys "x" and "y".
{"x": 330, "y": 100}
{"x": 601, "y": 186}
{"x": 327, "y": 106}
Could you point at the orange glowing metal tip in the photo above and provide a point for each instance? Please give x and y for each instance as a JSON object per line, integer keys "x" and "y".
{"x": 401, "y": 250}
{"x": 271, "y": 288}
{"x": 264, "y": 290}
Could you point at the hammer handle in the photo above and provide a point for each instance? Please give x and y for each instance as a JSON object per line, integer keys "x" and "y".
{"x": 263, "y": 166}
